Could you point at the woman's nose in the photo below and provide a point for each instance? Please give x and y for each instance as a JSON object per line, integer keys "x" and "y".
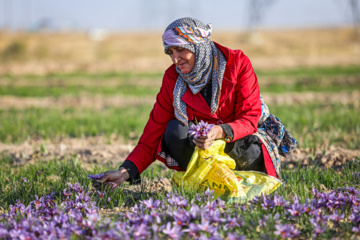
{"x": 176, "y": 58}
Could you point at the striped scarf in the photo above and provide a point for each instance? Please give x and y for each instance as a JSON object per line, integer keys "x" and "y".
{"x": 210, "y": 62}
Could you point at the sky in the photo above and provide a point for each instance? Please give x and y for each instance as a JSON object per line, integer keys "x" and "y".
{"x": 137, "y": 15}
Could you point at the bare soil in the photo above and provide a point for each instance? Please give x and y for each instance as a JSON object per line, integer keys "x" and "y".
{"x": 335, "y": 158}
{"x": 148, "y": 188}
{"x": 97, "y": 150}
{"x": 90, "y": 151}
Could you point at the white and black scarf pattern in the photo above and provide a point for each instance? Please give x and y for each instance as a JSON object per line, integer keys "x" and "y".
{"x": 209, "y": 66}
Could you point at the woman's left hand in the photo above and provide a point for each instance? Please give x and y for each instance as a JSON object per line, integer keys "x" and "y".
{"x": 204, "y": 142}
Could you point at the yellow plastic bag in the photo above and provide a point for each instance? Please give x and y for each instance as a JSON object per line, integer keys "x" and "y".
{"x": 212, "y": 168}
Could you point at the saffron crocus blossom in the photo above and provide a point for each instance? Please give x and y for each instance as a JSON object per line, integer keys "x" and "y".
{"x": 178, "y": 217}
{"x": 234, "y": 236}
{"x": 296, "y": 209}
{"x": 268, "y": 203}
{"x": 318, "y": 228}
{"x": 355, "y": 229}
{"x": 335, "y": 217}
{"x": 141, "y": 231}
{"x": 232, "y": 222}
{"x": 202, "y": 129}
{"x": 354, "y": 217}
{"x": 206, "y": 226}
{"x": 279, "y": 201}
{"x": 195, "y": 211}
{"x": 192, "y": 230}
{"x": 150, "y": 203}
{"x": 286, "y": 231}
{"x": 24, "y": 179}
{"x": 182, "y": 217}
{"x": 172, "y": 232}
{"x": 95, "y": 176}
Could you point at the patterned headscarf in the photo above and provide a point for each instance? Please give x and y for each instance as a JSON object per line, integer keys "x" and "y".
{"x": 210, "y": 62}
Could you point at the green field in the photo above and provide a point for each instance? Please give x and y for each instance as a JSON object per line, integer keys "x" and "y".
{"x": 127, "y": 84}
{"x": 313, "y": 124}
{"x": 317, "y": 124}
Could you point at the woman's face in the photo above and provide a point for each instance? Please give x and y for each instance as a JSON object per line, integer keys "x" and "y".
{"x": 183, "y": 58}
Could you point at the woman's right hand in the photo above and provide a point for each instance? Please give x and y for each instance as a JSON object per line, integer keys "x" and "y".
{"x": 204, "y": 142}
{"x": 116, "y": 177}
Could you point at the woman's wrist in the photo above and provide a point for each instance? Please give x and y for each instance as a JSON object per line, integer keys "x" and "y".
{"x": 132, "y": 171}
{"x": 219, "y": 132}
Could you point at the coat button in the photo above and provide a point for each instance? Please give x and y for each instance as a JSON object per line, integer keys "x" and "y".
{"x": 220, "y": 122}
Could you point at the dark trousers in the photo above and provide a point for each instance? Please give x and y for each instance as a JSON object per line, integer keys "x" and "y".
{"x": 246, "y": 152}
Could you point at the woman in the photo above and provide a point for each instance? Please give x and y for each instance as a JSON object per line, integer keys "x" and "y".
{"x": 215, "y": 84}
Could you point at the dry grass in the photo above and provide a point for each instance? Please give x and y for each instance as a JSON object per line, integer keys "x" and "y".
{"x": 68, "y": 52}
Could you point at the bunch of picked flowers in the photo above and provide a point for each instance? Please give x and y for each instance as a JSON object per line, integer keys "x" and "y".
{"x": 200, "y": 129}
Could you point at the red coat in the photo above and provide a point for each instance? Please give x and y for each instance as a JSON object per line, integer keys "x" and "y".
{"x": 239, "y": 106}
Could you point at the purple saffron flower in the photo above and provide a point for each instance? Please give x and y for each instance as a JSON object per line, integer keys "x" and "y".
{"x": 150, "y": 203}
{"x": 234, "y": 236}
{"x": 91, "y": 220}
{"x": 101, "y": 194}
{"x": 95, "y": 176}
{"x": 267, "y": 203}
{"x": 194, "y": 130}
{"x": 352, "y": 191}
{"x": 296, "y": 199}
{"x": 286, "y": 231}
{"x": 356, "y": 209}
{"x": 315, "y": 192}
{"x": 335, "y": 217}
{"x": 202, "y": 129}
{"x": 206, "y": 226}
{"x": 214, "y": 215}
{"x": 3, "y": 233}
{"x": 141, "y": 231}
{"x": 195, "y": 211}
{"x": 244, "y": 207}
{"x": 178, "y": 201}
{"x": 24, "y": 179}
{"x": 355, "y": 201}
{"x": 172, "y": 232}
{"x": 232, "y": 222}
{"x": 66, "y": 193}
{"x": 255, "y": 200}
{"x": 193, "y": 230}
{"x": 318, "y": 230}
{"x": 263, "y": 222}
{"x": 356, "y": 229}
{"x": 182, "y": 217}
{"x": 75, "y": 187}
{"x": 354, "y": 217}
{"x": 296, "y": 209}
{"x": 279, "y": 201}
{"x": 209, "y": 193}
{"x": 318, "y": 227}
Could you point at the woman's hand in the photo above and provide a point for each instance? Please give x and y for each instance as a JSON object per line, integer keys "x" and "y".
{"x": 204, "y": 142}
{"x": 115, "y": 178}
